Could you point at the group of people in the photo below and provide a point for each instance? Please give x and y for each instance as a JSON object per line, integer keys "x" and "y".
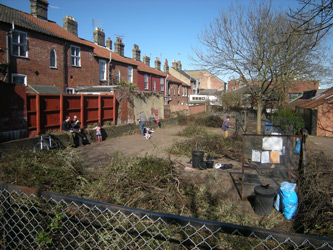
{"x": 74, "y": 127}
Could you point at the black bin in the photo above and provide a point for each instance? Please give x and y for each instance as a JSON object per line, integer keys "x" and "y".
{"x": 197, "y": 157}
{"x": 264, "y": 199}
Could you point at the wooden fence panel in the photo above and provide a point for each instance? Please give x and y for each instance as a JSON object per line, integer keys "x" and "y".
{"x": 46, "y": 112}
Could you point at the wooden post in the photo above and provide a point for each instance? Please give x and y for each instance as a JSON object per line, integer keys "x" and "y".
{"x": 82, "y": 111}
{"x": 38, "y": 114}
{"x": 61, "y": 113}
{"x": 100, "y": 109}
{"x": 114, "y": 109}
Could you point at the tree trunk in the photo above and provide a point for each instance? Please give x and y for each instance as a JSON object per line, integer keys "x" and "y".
{"x": 259, "y": 111}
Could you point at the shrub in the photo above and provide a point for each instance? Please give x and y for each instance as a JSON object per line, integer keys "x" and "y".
{"x": 285, "y": 117}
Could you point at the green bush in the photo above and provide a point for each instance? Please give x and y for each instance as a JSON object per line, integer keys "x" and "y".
{"x": 285, "y": 117}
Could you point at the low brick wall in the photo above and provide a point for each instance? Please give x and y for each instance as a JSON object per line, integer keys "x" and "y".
{"x": 197, "y": 109}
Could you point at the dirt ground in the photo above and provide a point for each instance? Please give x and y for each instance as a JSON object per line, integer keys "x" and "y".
{"x": 227, "y": 181}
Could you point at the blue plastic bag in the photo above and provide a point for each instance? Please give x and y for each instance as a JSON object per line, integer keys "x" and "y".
{"x": 287, "y": 200}
{"x": 297, "y": 149}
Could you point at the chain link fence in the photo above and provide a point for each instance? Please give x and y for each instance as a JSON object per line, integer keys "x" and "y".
{"x": 32, "y": 220}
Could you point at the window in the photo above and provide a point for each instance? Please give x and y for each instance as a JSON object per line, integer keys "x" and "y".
{"x": 19, "y": 44}
{"x": 174, "y": 91}
{"x": 154, "y": 86}
{"x": 19, "y": 79}
{"x": 130, "y": 74}
{"x": 102, "y": 70}
{"x": 118, "y": 76}
{"x": 183, "y": 91}
{"x": 53, "y": 59}
{"x": 75, "y": 56}
{"x": 162, "y": 84}
{"x": 178, "y": 89}
{"x": 70, "y": 91}
{"x": 146, "y": 82}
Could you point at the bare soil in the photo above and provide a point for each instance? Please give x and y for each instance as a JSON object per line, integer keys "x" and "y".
{"x": 227, "y": 182}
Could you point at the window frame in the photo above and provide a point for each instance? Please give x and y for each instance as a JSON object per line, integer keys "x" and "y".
{"x": 75, "y": 59}
{"x": 100, "y": 70}
{"x": 154, "y": 85}
{"x": 146, "y": 81}
{"x": 118, "y": 75}
{"x": 130, "y": 74}
{"x": 162, "y": 84}
{"x": 72, "y": 90}
{"x": 25, "y": 81}
{"x": 51, "y": 59}
{"x": 19, "y": 44}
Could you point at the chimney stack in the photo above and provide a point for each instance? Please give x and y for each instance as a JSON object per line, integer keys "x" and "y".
{"x": 109, "y": 43}
{"x": 136, "y": 53}
{"x": 38, "y": 8}
{"x": 70, "y": 25}
{"x": 179, "y": 65}
{"x": 99, "y": 37}
{"x": 166, "y": 67}
{"x": 174, "y": 64}
{"x": 157, "y": 64}
{"x": 146, "y": 60}
{"x": 119, "y": 46}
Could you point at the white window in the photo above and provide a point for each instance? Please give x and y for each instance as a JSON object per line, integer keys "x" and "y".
{"x": 154, "y": 86}
{"x": 118, "y": 76}
{"x": 174, "y": 91}
{"x": 75, "y": 56}
{"x": 70, "y": 91}
{"x": 162, "y": 84}
{"x": 178, "y": 90}
{"x": 19, "y": 79}
{"x": 53, "y": 59}
{"x": 102, "y": 70}
{"x": 19, "y": 44}
{"x": 130, "y": 74}
{"x": 146, "y": 82}
{"x": 183, "y": 91}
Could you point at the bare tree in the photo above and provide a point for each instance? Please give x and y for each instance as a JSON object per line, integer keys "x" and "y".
{"x": 313, "y": 17}
{"x": 250, "y": 42}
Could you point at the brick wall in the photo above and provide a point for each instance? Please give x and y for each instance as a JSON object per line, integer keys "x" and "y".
{"x": 325, "y": 120}
{"x": 197, "y": 109}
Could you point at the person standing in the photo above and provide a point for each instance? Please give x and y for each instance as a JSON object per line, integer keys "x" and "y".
{"x": 98, "y": 132}
{"x": 225, "y": 126}
{"x": 142, "y": 122}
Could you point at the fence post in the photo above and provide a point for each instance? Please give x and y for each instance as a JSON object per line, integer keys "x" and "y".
{"x": 100, "y": 109}
{"x": 61, "y": 113}
{"x": 37, "y": 114}
{"x": 82, "y": 111}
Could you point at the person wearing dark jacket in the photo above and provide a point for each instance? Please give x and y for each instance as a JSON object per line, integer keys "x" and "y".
{"x": 66, "y": 127}
{"x": 76, "y": 126}
{"x": 225, "y": 126}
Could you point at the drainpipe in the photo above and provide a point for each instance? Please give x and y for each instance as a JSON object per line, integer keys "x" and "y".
{"x": 166, "y": 90}
{"x": 7, "y": 76}
{"x": 109, "y": 68}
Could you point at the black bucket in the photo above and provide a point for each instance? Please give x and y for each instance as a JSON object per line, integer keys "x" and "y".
{"x": 197, "y": 157}
{"x": 264, "y": 199}
{"x": 209, "y": 164}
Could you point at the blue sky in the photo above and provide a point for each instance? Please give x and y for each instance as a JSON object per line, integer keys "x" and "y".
{"x": 167, "y": 29}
